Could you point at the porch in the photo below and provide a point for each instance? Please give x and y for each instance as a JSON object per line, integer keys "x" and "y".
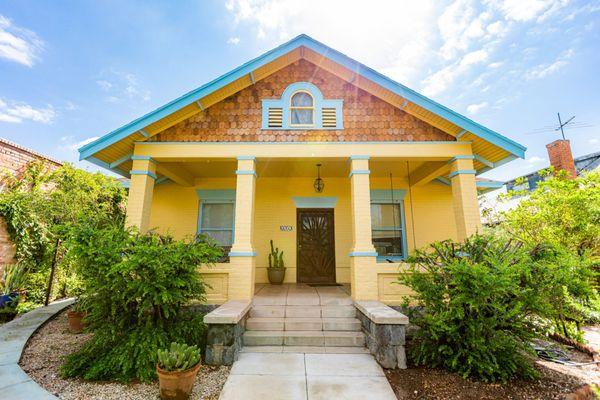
{"x": 380, "y": 201}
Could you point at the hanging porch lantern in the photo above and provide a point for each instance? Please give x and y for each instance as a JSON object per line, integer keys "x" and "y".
{"x": 319, "y": 185}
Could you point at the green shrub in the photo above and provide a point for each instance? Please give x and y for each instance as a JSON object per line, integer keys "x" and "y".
{"x": 178, "y": 357}
{"x": 136, "y": 286}
{"x": 478, "y": 303}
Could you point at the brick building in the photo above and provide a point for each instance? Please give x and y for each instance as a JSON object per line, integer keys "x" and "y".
{"x": 14, "y": 159}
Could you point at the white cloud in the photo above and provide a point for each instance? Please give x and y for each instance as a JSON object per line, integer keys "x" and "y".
{"x": 528, "y": 10}
{"x": 75, "y": 146}
{"x": 543, "y": 70}
{"x": 69, "y": 145}
{"x": 233, "y": 40}
{"x": 396, "y": 38}
{"x": 475, "y": 108}
{"x": 459, "y": 25}
{"x": 535, "y": 160}
{"x": 17, "y": 44}
{"x": 16, "y": 112}
{"x": 442, "y": 79}
{"x": 429, "y": 45}
{"x": 70, "y": 106}
{"x": 121, "y": 86}
{"x": 594, "y": 141}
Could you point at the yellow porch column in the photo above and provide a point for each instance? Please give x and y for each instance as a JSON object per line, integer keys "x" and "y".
{"x": 141, "y": 188}
{"x": 464, "y": 196}
{"x": 242, "y": 255}
{"x": 363, "y": 274}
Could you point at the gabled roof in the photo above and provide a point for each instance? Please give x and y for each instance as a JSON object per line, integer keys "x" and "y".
{"x": 410, "y": 101}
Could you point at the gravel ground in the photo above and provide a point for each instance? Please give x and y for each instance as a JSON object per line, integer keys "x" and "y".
{"x": 53, "y": 342}
{"x": 418, "y": 383}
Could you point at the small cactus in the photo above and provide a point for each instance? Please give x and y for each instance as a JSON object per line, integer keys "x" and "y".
{"x": 179, "y": 357}
{"x": 275, "y": 257}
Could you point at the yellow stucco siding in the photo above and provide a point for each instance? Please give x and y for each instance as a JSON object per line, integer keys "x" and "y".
{"x": 175, "y": 210}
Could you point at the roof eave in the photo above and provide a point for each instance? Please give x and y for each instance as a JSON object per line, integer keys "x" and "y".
{"x": 303, "y": 40}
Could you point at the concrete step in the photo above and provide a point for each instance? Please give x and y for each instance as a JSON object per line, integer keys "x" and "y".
{"x": 267, "y": 312}
{"x": 263, "y": 338}
{"x": 341, "y": 324}
{"x": 303, "y": 311}
{"x": 303, "y": 324}
{"x": 344, "y": 339}
{"x": 305, "y": 349}
{"x": 304, "y": 338}
{"x": 338, "y": 311}
{"x": 265, "y": 324}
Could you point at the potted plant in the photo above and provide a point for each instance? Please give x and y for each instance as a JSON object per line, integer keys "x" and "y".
{"x": 177, "y": 368}
{"x": 13, "y": 279}
{"x": 75, "y": 316}
{"x": 276, "y": 270}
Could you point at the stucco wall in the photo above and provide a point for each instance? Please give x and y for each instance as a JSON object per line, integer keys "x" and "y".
{"x": 365, "y": 117}
{"x": 175, "y": 210}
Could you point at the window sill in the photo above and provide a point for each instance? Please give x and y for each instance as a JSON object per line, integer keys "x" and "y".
{"x": 299, "y": 128}
{"x": 387, "y": 259}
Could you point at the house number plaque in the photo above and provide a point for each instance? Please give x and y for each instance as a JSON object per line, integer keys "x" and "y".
{"x": 285, "y": 228}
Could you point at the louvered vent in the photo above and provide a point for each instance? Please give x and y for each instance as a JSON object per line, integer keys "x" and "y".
{"x": 329, "y": 118}
{"x": 275, "y": 117}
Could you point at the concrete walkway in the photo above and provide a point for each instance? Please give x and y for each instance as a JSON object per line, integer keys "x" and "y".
{"x": 15, "y": 384}
{"x": 306, "y": 376}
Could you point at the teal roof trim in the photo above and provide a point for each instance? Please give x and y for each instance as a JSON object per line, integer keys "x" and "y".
{"x": 302, "y": 40}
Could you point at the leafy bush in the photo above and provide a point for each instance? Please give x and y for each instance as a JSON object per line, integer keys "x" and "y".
{"x": 13, "y": 278}
{"x": 565, "y": 214}
{"x": 178, "y": 357}
{"x": 481, "y": 301}
{"x": 41, "y": 206}
{"x": 136, "y": 287}
{"x": 561, "y": 211}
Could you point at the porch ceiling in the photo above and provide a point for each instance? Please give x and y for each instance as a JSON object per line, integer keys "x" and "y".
{"x": 301, "y": 168}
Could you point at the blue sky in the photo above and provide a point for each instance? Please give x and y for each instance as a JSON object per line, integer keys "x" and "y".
{"x": 71, "y": 71}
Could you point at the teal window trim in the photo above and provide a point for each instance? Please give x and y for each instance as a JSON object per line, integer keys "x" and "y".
{"x": 315, "y": 202}
{"x": 319, "y": 103}
{"x": 216, "y": 196}
{"x": 384, "y": 196}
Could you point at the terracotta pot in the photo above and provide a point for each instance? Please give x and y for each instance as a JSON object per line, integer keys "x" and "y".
{"x": 276, "y": 275}
{"x": 177, "y": 385}
{"x": 75, "y": 321}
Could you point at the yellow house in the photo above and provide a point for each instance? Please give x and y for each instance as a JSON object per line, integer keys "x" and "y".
{"x": 344, "y": 169}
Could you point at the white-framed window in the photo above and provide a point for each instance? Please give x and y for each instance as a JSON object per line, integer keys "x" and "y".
{"x": 388, "y": 224}
{"x": 301, "y": 106}
{"x": 216, "y": 217}
{"x": 217, "y": 221}
{"x": 302, "y": 109}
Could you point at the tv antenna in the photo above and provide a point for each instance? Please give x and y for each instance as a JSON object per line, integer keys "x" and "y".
{"x": 562, "y": 126}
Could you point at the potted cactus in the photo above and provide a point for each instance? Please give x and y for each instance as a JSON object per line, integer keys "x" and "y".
{"x": 276, "y": 270}
{"x": 177, "y": 368}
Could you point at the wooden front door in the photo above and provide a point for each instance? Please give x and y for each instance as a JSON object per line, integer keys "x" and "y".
{"x": 315, "y": 246}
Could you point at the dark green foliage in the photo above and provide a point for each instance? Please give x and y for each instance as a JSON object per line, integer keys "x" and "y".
{"x": 41, "y": 206}
{"x": 136, "y": 287}
{"x": 482, "y": 301}
{"x": 275, "y": 257}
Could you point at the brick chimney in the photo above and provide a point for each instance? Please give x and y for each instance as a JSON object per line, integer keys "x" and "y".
{"x": 561, "y": 157}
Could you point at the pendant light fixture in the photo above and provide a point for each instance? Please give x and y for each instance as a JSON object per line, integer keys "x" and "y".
{"x": 319, "y": 185}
